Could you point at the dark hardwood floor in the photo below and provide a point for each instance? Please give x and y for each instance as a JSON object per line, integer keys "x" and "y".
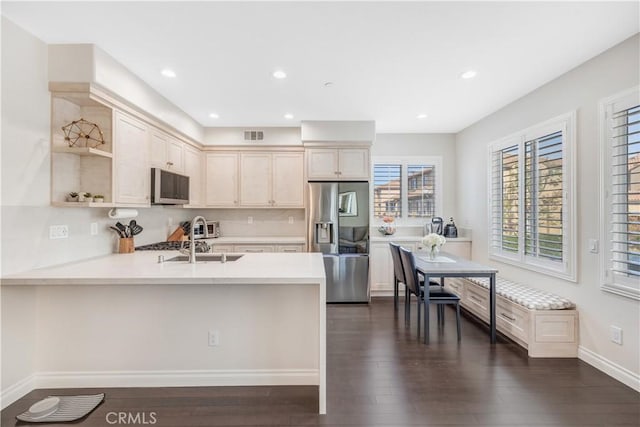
{"x": 380, "y": 374}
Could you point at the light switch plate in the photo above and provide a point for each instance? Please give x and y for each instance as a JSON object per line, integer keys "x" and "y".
{"x": 594, "y": 246}
{"x": 94, "y": 228}
{"x": 616, "y": 334}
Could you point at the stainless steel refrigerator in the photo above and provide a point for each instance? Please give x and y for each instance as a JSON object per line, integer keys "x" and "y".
{"x": 338, "y": 226}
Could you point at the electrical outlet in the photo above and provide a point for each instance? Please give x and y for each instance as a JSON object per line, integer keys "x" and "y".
{"x": 616, "y": 334}
{"x": 214, "y": 338}
{"x": 290, "y": 220}
{"x": 94, "y": 228}
{"x": 249, "y": 220}
{"x": 58, "y": 232}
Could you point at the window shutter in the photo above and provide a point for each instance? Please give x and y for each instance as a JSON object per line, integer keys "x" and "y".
{"x": 421, "y": 191}
{"x": 505, "y": 203}
{"x": 387, "y": 190}
{"x": 544, "y": 197}
{"x": 625, "y": 194}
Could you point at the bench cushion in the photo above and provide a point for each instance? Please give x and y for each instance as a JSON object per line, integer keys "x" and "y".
{"x": 525, "y": 296}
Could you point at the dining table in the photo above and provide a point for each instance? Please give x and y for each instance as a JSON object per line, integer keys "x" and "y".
{"x": 446, "y": 265}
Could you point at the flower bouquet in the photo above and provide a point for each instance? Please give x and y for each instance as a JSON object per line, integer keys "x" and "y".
{"x": 389, "y": 226}
{"x": 432, "y": 243}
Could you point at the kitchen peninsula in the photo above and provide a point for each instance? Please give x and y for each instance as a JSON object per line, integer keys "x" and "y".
{"x": 130, "y": 321}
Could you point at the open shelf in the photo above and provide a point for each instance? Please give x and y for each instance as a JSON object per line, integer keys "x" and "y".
{"x": 83, "y": 204}
{"x": 82, "y": 151}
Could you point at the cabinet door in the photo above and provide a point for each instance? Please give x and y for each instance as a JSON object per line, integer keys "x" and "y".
{"x": 255, "y": 179}
{"x": 354, "y": 163}
{"x": 461, "y": 249}
{"x": 381, "y": 267}
{"x": 322, "y": 163}
{"x": 132, "y": 172}
{"x": 290, "y": 248}
{"x": 222, "y": 180}
{"x": 193, "y": 168}
{"x": 253, "y": 248}
{"x": 175, "y": 155}
{"x": 288, "y": 180}
{"x": 158, "y": 150}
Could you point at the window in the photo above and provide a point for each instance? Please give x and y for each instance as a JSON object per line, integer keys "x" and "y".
{"x": 406, "y": 188}
{"x": 531, "y": 204}
{"x": 620, "y": 234}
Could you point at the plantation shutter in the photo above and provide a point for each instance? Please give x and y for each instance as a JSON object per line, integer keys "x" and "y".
{"x": 421, "y": 190}
{"x": 544, "y": 197}
{"x": 387, "y": 190}
{"x": 625, "y": 193}
{"x": 505, "y": 199}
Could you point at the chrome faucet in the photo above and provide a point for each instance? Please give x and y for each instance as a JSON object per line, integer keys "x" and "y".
{"x": 192, "y": 241}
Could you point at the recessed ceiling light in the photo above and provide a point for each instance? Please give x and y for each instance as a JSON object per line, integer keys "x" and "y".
{"x": 421, "y": 116}
{"x": 214, "y": 116}
{"x": 468, "y": 74}
{"x": 288, "y": 116}
{"x": 279, "y": 74}
{"x": 168, "y": 73}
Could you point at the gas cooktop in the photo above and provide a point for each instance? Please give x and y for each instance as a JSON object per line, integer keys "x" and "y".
{"x": 201, "y": 247}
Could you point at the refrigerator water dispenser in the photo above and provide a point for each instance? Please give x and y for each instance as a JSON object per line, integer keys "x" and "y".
{"x": 324, "y": 232}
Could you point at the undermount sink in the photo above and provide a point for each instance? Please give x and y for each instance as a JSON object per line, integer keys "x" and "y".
{"x": 205, "y": 258}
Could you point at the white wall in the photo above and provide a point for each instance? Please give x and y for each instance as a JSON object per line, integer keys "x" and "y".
{"x": 235, "y": 136}
{"x": 88, "y": 63}
{"x": 421, "y": 144}
{"x": 580, "y": 89}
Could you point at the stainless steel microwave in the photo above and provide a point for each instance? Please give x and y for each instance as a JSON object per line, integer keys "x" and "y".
{"x": 169, "y": 188}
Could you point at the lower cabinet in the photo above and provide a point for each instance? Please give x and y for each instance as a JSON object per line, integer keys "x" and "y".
{"x": 246, "y": 248}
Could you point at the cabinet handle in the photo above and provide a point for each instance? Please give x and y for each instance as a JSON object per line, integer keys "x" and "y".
{"x": 475, "y": 298}
{"x": 254, "y": 250}
{"x": 170, "y": 163}
{"x": 235, "y": 202}
{"x": 513, "y": 319}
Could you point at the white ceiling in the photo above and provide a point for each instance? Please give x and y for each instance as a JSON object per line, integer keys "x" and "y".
{"x": 388, "y": 61}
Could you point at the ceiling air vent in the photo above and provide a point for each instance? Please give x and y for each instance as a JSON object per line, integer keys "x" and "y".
{"x": 253, "y": 135}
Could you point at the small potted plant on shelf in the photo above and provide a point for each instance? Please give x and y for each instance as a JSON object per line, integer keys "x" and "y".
{"x": 86, "y": 197}
{"x": 72, "y": 197}
{"x": 98, "y": 198}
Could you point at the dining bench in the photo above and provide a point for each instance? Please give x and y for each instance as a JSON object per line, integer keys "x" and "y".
{"x": 542, "y": 322}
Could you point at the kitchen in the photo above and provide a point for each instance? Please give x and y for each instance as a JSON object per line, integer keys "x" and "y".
{"x": 28, "y": 191}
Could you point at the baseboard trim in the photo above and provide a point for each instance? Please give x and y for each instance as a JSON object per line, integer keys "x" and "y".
{"x": 17, "y": 390}
{"x": 610, "y": 368}
{"x": 187, "y": 378}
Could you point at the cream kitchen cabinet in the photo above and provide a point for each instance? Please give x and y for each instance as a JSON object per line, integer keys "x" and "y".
{"x": 338, "y": 163}
{"x": 254, "y": 248}
{"x": 272, "y": 180}
{"x": 221, "y": 186}
{"x": 167, "y": 152}
{"x": 255, "y": 181}
{"x": 382, "y": 266}
{"x": 193, "y": 167}
{"x": 131, "y": 159}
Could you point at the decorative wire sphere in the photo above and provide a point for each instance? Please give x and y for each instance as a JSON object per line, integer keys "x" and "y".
{"x": 82, "y": 133}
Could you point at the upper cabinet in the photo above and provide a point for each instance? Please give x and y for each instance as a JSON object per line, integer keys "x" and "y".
{"x": 221, "y": 186}
{"x": 338, "y": 163}
{"x": 272, "y": 180}
{"x": 131, "y": 157}
{"x": 194, "y": 168}
{"x": 167, "y": 152}
{"x": 255, "y": 179}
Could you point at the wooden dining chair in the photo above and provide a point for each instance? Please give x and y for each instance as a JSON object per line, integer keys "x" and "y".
{"x": 439, "y": 297}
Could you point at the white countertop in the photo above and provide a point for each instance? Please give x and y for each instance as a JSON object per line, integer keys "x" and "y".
{"x": 257, "y": 240}
{"x": 142, "y": 268}
{"x": 394, "y": 238}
